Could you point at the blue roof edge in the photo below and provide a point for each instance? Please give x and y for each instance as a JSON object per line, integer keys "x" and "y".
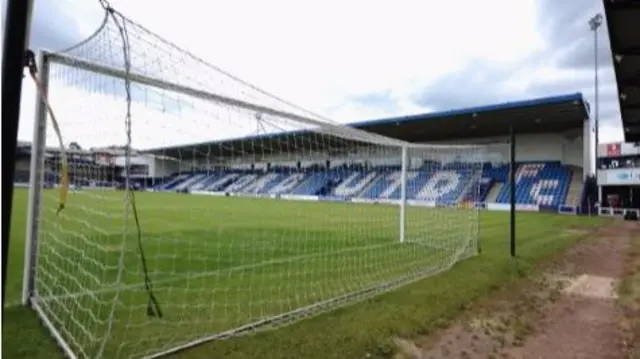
{"x": 542, "y": 101}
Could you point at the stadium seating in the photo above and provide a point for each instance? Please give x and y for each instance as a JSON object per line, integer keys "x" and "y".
{"x": 276, "y": 183}
{"x": 352, "y": 183}
{"x": 387, "y": 186}
{"x": 171, "y": 182}
{"x": 315, "y": 183}
{"x": 538, "y": 183}
{"x": 486, "y": 183}
{"x": 543, "y": 183}
{"x": 208, "y": 180}
{"x": 191, "y": 181}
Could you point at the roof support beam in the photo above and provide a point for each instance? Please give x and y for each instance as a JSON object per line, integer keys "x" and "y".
{"x": 620, "y": 15}
{"x": 622, "y": 4}
{"x": 630, "y": 51}
{"x": 629, "y": 82}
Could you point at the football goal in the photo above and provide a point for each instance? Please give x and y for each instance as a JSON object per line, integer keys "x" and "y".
{"x": 194, "y": 206}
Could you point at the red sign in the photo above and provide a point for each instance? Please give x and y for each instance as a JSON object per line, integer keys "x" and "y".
{"x": 613, "y": 149}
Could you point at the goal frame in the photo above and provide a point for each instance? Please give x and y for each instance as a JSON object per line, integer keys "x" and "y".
{"x": 34, "y": 205}
{"x": 36, "y": 186}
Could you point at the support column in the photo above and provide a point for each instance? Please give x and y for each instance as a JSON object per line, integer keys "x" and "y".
{"x": 512, "y": 191}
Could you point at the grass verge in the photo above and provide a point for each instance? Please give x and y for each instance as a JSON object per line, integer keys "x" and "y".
{"x": 629, "y": 300}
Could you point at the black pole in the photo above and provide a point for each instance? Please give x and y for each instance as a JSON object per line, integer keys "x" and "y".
{"x": 512, "y": 191}
{"x": 16, "y": 30}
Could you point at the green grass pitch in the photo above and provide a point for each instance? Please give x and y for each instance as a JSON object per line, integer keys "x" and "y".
{"x": 218, "y": 263}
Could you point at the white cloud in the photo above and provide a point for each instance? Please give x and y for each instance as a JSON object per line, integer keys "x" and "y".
{"x": 97, "y": 119}
{"x": 320, "y": 55}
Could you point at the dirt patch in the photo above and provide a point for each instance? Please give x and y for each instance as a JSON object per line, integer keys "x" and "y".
{"x": 570, "y": 311}
{"x": 593, "y": 286}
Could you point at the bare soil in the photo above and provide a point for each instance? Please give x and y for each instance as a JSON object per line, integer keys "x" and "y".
{"x": 570, "y": 311}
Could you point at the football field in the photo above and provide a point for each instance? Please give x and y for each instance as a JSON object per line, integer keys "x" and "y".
{"x": 219, "y": 263}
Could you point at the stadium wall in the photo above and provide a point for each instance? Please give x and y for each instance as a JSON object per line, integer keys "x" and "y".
{"x": 156, "y": 166}
{"x": 134, "y": 160}
{"x": 617, "y": 149}
{"x": 162, "y": 167}
{"x": 566, "y": 148}
{"x": 384, "y": 156}
{"x": 619, "y": 177}
{"x": 23, "y": 164}
{"x": 410, "y": 203}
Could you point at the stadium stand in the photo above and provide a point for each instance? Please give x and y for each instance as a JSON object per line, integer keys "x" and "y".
{"x": 549, "y": 183}
{"x": 83, "y": 172}
{"x": 538, "y": 183}
{"x": 545, "y": 183}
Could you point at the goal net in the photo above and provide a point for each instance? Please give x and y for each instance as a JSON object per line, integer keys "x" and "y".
{"x": 202, "y": 208}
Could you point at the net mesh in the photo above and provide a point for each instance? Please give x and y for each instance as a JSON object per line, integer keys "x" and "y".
{"x": 278, "y": 226}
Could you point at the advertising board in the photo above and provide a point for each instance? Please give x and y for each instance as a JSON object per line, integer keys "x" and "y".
{"x": 619, "y": 177}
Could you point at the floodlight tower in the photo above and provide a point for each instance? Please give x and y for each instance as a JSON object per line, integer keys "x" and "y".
{"x": 595, "y": 23}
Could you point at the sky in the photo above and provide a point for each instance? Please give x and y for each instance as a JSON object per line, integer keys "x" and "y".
{"x": 347, "y": 60}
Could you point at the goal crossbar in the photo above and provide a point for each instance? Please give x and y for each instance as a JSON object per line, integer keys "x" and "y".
{"x": 200, "y": 94}
{"x": 65, "y": 59}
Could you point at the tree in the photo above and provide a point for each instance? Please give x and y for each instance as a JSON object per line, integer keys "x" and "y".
{"x": 75, "y": 146}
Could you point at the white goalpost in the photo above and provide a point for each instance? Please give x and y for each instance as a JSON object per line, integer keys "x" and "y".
{"x": 249, "y": 212}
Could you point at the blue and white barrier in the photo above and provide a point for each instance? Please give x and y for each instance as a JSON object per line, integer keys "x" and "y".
{"x": 382, "y": 201}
